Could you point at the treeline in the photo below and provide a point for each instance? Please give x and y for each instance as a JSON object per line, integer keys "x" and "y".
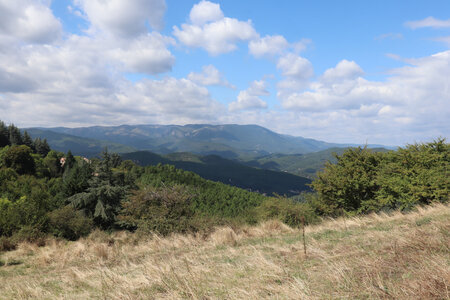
{"x": 363, "y": 181}
{"x": 12, "y": 136}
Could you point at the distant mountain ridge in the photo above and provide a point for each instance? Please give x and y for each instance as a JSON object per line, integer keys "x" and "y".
{"x": 229, "y": 141}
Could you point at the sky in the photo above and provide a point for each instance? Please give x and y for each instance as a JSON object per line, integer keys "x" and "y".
{"x": 340, "y": 71}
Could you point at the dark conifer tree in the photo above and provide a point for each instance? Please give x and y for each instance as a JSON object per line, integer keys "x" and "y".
{"x": 27, "y": 141}
{"x": 41, "y": 146}
{"x": 70, "y": 160}
{"x": 4, "y": 135}
{"x": 15, "y": 137}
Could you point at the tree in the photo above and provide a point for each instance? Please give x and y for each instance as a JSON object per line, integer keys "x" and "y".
{"x": 70, "y": 161}
{"x": 27, "y": 141}
{"x": 4, "y": 135}
{"x": 15, "y": 137}
{"x": 41, "y": 146}
{"x": 350, "y": 184}
{"x": 19, "y": 158}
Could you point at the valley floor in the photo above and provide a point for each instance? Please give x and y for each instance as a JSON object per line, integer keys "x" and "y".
{"x": 397, "y": 256}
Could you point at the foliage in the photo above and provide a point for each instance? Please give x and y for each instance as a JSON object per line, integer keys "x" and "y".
{"x": 68, "y": 223}
{"x": 363, "y": 181}
{"x": 19, "y": 159}
{"x": 159, "y": 209}
{"x": 287, "y": 211}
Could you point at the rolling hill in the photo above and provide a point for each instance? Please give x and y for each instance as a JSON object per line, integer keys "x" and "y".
{"x": 305, "y": 165}
{"x": 216, "y": 168}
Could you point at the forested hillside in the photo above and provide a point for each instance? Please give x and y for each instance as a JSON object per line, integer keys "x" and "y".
{"x": 230, "y": 172}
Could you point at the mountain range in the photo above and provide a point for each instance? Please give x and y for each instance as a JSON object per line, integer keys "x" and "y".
{"x": 228, "y": 141}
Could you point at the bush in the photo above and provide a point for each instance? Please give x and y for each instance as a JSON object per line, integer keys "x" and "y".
{"x": 29, "y": 234}
{"x": 6, "y": 244}
{"x": 287, "y": 211}
{"x": 68, "y": 223}
{"x": 162, "y": 210}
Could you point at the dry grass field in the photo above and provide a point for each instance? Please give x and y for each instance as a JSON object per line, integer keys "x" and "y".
{"x": 396, "y": 256}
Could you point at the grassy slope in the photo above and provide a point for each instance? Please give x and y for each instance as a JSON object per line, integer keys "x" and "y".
{"x": 374, "y": 257}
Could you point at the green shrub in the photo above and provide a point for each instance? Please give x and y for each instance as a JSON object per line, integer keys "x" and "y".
{"x": 287, "y": 211}
{"x": 162, "y": 210}
{"x": 68, "y": 223}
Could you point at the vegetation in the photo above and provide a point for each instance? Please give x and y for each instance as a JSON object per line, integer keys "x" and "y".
{"x": 365, "y": 181}
{"x": 379, "y": 256}
{"x": 227, "y": 171}
{"x": 46, "y": 192}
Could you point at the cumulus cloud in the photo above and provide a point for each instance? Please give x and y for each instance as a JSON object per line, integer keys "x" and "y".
{"x": 249, "y": 99}
{"x": 123, "y": 18}
{"x": 414, "y": 98}
{"x": 428, "y": 22}
{"x": 209, "y": 76}
{"x": 296, "y": 71}
{"x": 30, "y": 21}
{"x": 145, "y": 54}
{"x": 205, "y": 12}
{"x": 268, "y": 45}
{"x": 213, "y": 32}
{"x": 344, "y": 70}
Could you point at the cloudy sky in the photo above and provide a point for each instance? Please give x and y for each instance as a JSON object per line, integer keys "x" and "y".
{"x": 339, "y": 71}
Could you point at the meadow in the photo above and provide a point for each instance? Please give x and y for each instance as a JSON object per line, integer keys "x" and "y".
{"x": 377, "y": 256}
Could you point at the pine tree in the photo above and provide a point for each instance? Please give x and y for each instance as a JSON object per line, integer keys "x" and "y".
{"x": 41, "y": 146}
{"x": 27, "y": 141}
{"x": 15, "y": 137}
{"x": 4, "y": 135}
{"x": 70, "y": 161}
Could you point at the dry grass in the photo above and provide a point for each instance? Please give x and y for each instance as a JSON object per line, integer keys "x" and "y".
{"x": 375, "y": 257}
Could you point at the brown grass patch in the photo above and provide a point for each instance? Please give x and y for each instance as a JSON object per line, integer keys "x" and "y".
{"x": 395, "y": 256}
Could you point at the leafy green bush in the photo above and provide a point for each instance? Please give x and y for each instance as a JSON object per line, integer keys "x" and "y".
{"x": 159, "y": 209}
{"x": 68, "y": 223}
{"x": 363, "y": 181}
{"x": 20, "y": 159}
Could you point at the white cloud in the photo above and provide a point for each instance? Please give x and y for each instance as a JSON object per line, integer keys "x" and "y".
{"x": 123, "y": 18}
{"x": 145, "y": 54}
{"x": 414, "y": 99}
{"x": 204, "y": 12}
{"x": 212, "y": 32}
{"x": 296, "y": 70}
{"x": 344, "y": 70}
{"x": 30, "y": 21}
{"x": 249, "y": 99}
{"x": 428, "y": 22}
{"x": 209, "y": 76}
{"x": 268, "y": 45}
{"x": 292, "y": 65}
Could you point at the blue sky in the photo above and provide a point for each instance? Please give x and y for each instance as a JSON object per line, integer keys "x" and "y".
{"x": 340, "y": 71}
